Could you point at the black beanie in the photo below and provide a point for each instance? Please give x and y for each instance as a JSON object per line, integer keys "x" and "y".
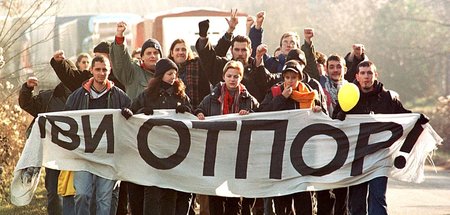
{"x": 163, "y": 65}
{"x": 102, "y": 47}
{"x": 151, "y": 43}
{"x": 298, "y": 55}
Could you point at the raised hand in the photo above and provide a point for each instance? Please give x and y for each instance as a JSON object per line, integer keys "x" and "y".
{"x": 250, "y": 21}
{"x": 309, "y": 34}
{"x": 232, "y": 22}
{"x": 261, "y": 50}
{"x": 260, "y": 19}
{"x": 358, "y": 50}
{"x": 32, "y": 82}
{"x": 121, "y": 28}
{"x": 203, "y": 27}
{"x": 59, "y": 56}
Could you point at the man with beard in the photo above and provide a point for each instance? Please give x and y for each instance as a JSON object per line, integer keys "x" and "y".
{"x": 240, "y": 50}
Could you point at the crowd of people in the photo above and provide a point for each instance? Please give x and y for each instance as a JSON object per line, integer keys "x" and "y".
{"x": 207, "y": 83}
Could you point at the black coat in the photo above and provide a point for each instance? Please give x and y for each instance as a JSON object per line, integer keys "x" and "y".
{"x": 165, "y": 99}
{"x": 378, "y": 101}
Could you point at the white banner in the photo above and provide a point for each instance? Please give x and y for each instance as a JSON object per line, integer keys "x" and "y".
{"x": 258, "y": 155}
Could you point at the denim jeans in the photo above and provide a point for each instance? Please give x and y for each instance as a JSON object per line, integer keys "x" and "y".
{"x": 84, "y": 183}
{"x": 376, "y": 199}
{"x": 68, "y": 205}
{"x": 377, "y": 196}
{"x": 54, "y": 203}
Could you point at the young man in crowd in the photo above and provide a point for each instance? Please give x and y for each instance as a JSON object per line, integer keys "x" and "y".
{"x": 96, "y": 93}
{"x": 374, "y": 98}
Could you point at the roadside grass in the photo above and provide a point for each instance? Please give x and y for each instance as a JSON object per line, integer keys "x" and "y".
{"x": 37, "y": 206}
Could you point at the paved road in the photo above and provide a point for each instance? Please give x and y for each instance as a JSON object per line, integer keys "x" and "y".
{"x": 431, "y": 197}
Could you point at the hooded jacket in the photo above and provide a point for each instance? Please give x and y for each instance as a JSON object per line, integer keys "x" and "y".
{"x": 81, "y": 98}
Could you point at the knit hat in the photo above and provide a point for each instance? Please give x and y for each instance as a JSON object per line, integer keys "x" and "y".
{"x": 151, "y": 43}
{"x": 298, "y": 55}
{"x": 163, "y": 65}
{"x": 293, "y": 66}
{"x": 102, "y": 47}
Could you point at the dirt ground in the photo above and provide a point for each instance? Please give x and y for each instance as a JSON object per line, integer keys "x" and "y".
{"x": 431, "y": 197}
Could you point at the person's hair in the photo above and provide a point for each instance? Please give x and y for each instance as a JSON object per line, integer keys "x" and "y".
{"x": 136, "y": 51}
{"x": 242, "y": 39}
{"x": 277, "y": 49}
{"x": 189, "y": 52}
{"x": 80, "y": 57}
{"x": 292, "y": 34}
{"x": 234, "y": 64}
{"x": 335, "y": 57}
{"x": 154, "y": 84}
{"x": 367, "y": 63}
{"x": 101, "y": 59}
{"x": 321, "y": 58}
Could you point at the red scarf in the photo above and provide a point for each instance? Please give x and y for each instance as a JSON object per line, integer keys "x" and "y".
{"x": 230, "y": 103}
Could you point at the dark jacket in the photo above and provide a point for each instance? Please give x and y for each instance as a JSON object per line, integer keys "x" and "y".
{"x": 73, "y": 78}
{"x": 378, "y": 101}
{"x": 276, "y": 101}
{"x": 81, "y": 99}
{"x": 275, "y": 65}
{"x": 165, "y": 99}
{"x": 212, "y": 106}
{"x": 352, "y": 66}
{"x": 214, "y": 64}
{"x": 311, "y": 82}
{"x": 46, "y": 101}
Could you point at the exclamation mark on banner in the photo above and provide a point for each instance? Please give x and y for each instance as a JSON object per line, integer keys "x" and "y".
{"x": 411, "y": 139}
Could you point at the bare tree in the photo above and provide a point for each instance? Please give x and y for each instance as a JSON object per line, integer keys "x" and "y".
{"x": 22, "y": 18}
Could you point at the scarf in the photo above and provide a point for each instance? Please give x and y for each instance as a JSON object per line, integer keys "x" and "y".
{"x": 230, "y": 103}
{"x": 303, "y": 96}
{"x": 332, "y": 88}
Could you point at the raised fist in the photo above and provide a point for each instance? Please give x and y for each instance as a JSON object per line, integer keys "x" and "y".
{"x": 260, "y": 19}
{"x": 308, "y": 33}
{"x": 203, "y": 27}
{"x": 32, "y": 82}
{"x": 121, "y": 28}
{"x": 59, "y": 56}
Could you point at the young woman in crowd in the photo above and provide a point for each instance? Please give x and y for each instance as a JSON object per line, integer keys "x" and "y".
{"x": 227, "y": 97}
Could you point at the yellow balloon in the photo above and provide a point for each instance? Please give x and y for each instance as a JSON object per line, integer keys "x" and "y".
{"x": 348, "y": 96}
